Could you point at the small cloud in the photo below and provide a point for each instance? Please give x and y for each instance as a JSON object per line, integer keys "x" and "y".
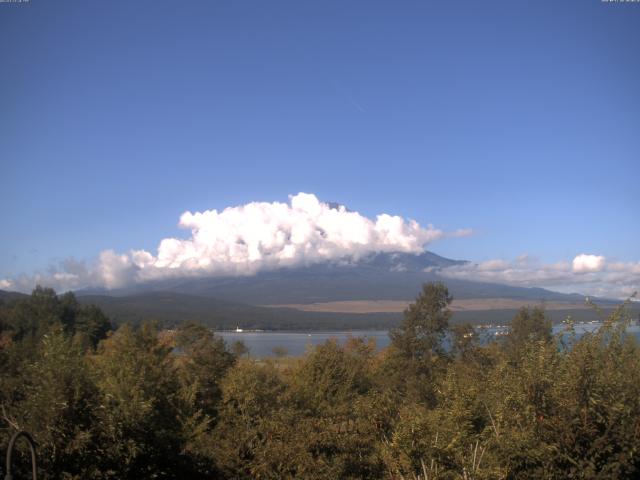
{"x": 399, "y": 268}
{"x": 493, "y": 265}
{"x": 587, "y": 274}
{"x": 588, "y": 263}
{"x": 461, "y": 232}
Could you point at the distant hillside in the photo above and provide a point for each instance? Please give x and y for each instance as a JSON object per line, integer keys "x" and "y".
{"x": 173, "y": 308}
{"x": 9, "y": 296}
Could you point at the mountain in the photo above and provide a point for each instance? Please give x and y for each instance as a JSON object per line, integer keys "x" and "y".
{"x": 304, "y": 298}
{"x": 382, "y": 276}
{"x": 6, "y": 297}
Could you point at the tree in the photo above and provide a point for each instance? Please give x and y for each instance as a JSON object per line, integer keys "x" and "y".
{"x": 239, "y": 348}
{"x": 425, "y": 323}
{"x": 417, "y": 353}
{"x": 464, "y": 341}
{"x": 203, "y": 363}
{"x": 530, "y": 325}
{"x": 30, "y": 318}
{"x": 58, "y": 407}
{"x": 330, "y": 379}
{"x": 91, "y": 324}
{"x": 252, "y": 396}
{"x": 139, "y": 425}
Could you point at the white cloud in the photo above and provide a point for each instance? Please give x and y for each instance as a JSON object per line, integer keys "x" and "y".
{"x": 586, "y": 274}
{"x": 245, "y": 239}
{"x": 461, "y": 232}
{"x": 115, "y": 270}
{"x": 588, "y": 263}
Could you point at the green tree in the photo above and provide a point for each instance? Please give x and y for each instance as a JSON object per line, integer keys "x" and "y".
{"x": 239, "y": 349}
{"x": 30, "y": 318}
{"x": 425, "y": 323}
{"x": 529, "y": 325}
{"x": 91, "y": 324}
{"x": 140, "y": 431}
{"x": 203, "y": 363}
{"x": 252, "y": 398}
{"x": 330, "y": 379}
{"x": 416, "y": 356}
{"x": 58, "y": 407}
{"x": 464, "y": 341}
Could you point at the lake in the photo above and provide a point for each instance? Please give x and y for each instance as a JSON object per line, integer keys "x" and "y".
{"x": 261, "y": 344}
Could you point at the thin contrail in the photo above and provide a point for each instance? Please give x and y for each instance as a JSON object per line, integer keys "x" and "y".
{"x": 348, "y": 96}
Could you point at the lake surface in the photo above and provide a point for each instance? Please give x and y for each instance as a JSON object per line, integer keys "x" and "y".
{"x": 262, "y": 344}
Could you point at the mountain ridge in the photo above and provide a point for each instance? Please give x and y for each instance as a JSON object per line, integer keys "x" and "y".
{"x": 381, "y": 276}
{"x": 267, "y": 300}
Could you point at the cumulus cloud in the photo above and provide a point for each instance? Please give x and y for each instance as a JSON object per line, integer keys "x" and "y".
{"x": 586, "y": 274}
{"x": 245, "y": 239}
{"x": 588, "y": 263}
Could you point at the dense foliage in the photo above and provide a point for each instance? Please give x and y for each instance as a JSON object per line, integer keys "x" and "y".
{"x": 136, "y": 403}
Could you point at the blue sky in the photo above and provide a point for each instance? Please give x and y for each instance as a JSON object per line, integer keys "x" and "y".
{"x": 520, "y": 120}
